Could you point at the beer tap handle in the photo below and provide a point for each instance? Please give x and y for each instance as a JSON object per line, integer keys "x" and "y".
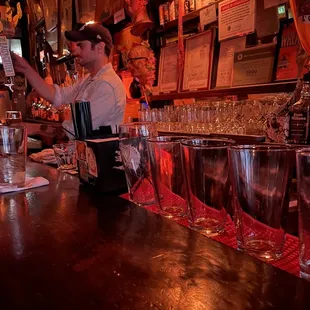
{"x": 7, "y": 61}
{"x": 10, "y": 84}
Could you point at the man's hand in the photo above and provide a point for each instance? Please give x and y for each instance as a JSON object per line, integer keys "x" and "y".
{"x": 20, "y": 64}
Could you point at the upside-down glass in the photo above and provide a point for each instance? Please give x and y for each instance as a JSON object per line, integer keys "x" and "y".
{"x": 13, "y": 149}
{"x": 303, "y": 185}
{"x": 133, "y": 149}
{"x": 65, "y": 154}
{"x": 167, "y": 174}
{"x": 205, "y": 164}
{"x": 261, "y": 178}
{"x": 214, "y": 116}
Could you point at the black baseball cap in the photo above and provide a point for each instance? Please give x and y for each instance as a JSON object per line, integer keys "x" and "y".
{"x": 91, "y": 32}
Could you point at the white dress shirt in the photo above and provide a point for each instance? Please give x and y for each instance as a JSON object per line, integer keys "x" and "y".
{"x": 106, "y": 94}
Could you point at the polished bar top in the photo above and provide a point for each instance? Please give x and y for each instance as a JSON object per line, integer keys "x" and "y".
{"x": 62, "y": 247}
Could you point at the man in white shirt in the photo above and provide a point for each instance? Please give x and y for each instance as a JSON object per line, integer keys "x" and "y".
{"x": 102, "y": 87}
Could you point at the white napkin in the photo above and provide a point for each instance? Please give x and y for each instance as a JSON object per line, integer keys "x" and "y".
{"x": 30, "y": 183}
{"x": 46, "y": 156}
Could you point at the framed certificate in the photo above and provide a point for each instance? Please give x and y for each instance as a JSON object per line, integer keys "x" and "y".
{"x": 254, "y": 65}
{"x": 226, "y": 60}
{"x": 168, "y": 69}
{"x": 198, "y": 61}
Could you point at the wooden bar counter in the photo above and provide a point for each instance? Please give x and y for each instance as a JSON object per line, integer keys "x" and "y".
{"x": 64, "y": 248}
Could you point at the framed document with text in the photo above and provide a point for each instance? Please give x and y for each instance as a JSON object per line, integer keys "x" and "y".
{"x": 254, "y": 65}
{"x": 198, "y": 61}
{"x": 168, "y": 69}
{"x": 226, "y": 60}
{"x": 236, "y": 18}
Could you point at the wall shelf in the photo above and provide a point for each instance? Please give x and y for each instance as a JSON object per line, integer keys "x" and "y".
{"x": 277, "y": 87}
{"x": 186, "y": 18}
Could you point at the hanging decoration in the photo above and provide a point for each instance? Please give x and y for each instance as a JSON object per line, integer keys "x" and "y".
{"x": 142, "y": 66}
{"x": 9, "y": 20}
{"x": 136, "y": 9}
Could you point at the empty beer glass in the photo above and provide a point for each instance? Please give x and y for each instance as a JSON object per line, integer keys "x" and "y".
{"x": 303, "y": 185}
{"x": 13, "y": 146}
{"x": 205, "y": 164}
{"x": 261, "y": 178}
{"x": 168, "y": 176}
{"x": 133, "y": 149}
{"x": 65, "y": 154}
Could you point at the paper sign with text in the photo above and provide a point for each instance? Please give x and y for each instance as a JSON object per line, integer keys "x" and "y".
{"x": 6, "y": 57}
{"x": 208, "y": 15}
{"x": 119, "y": 16}
{"x": 236, "y": 18}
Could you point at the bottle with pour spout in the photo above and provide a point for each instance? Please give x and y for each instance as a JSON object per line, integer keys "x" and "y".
{"x": 299, "y": 116}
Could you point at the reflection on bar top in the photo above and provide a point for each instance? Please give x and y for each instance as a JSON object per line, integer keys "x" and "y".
{"x": 102, "y": 140}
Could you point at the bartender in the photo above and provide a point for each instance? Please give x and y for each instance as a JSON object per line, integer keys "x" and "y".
{"x": 102, "y": 87}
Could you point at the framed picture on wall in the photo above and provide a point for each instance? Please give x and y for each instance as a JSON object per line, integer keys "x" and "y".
{"x": 198, "y": 61}
{"x": 168, "y": 69}
{"x": 50, "y": 13}
{"x": 85, "y": 10}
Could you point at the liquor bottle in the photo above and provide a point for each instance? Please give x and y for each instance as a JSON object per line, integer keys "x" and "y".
{"x": 299, "y": 116}
{"x": 186, "y": 6}
{"x": 176, "y": 5}
{"x": 192, "y": 5}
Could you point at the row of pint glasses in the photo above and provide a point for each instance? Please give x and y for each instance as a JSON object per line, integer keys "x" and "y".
{"x": 218, "y": 116}
{"x": 203, "y": 179}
